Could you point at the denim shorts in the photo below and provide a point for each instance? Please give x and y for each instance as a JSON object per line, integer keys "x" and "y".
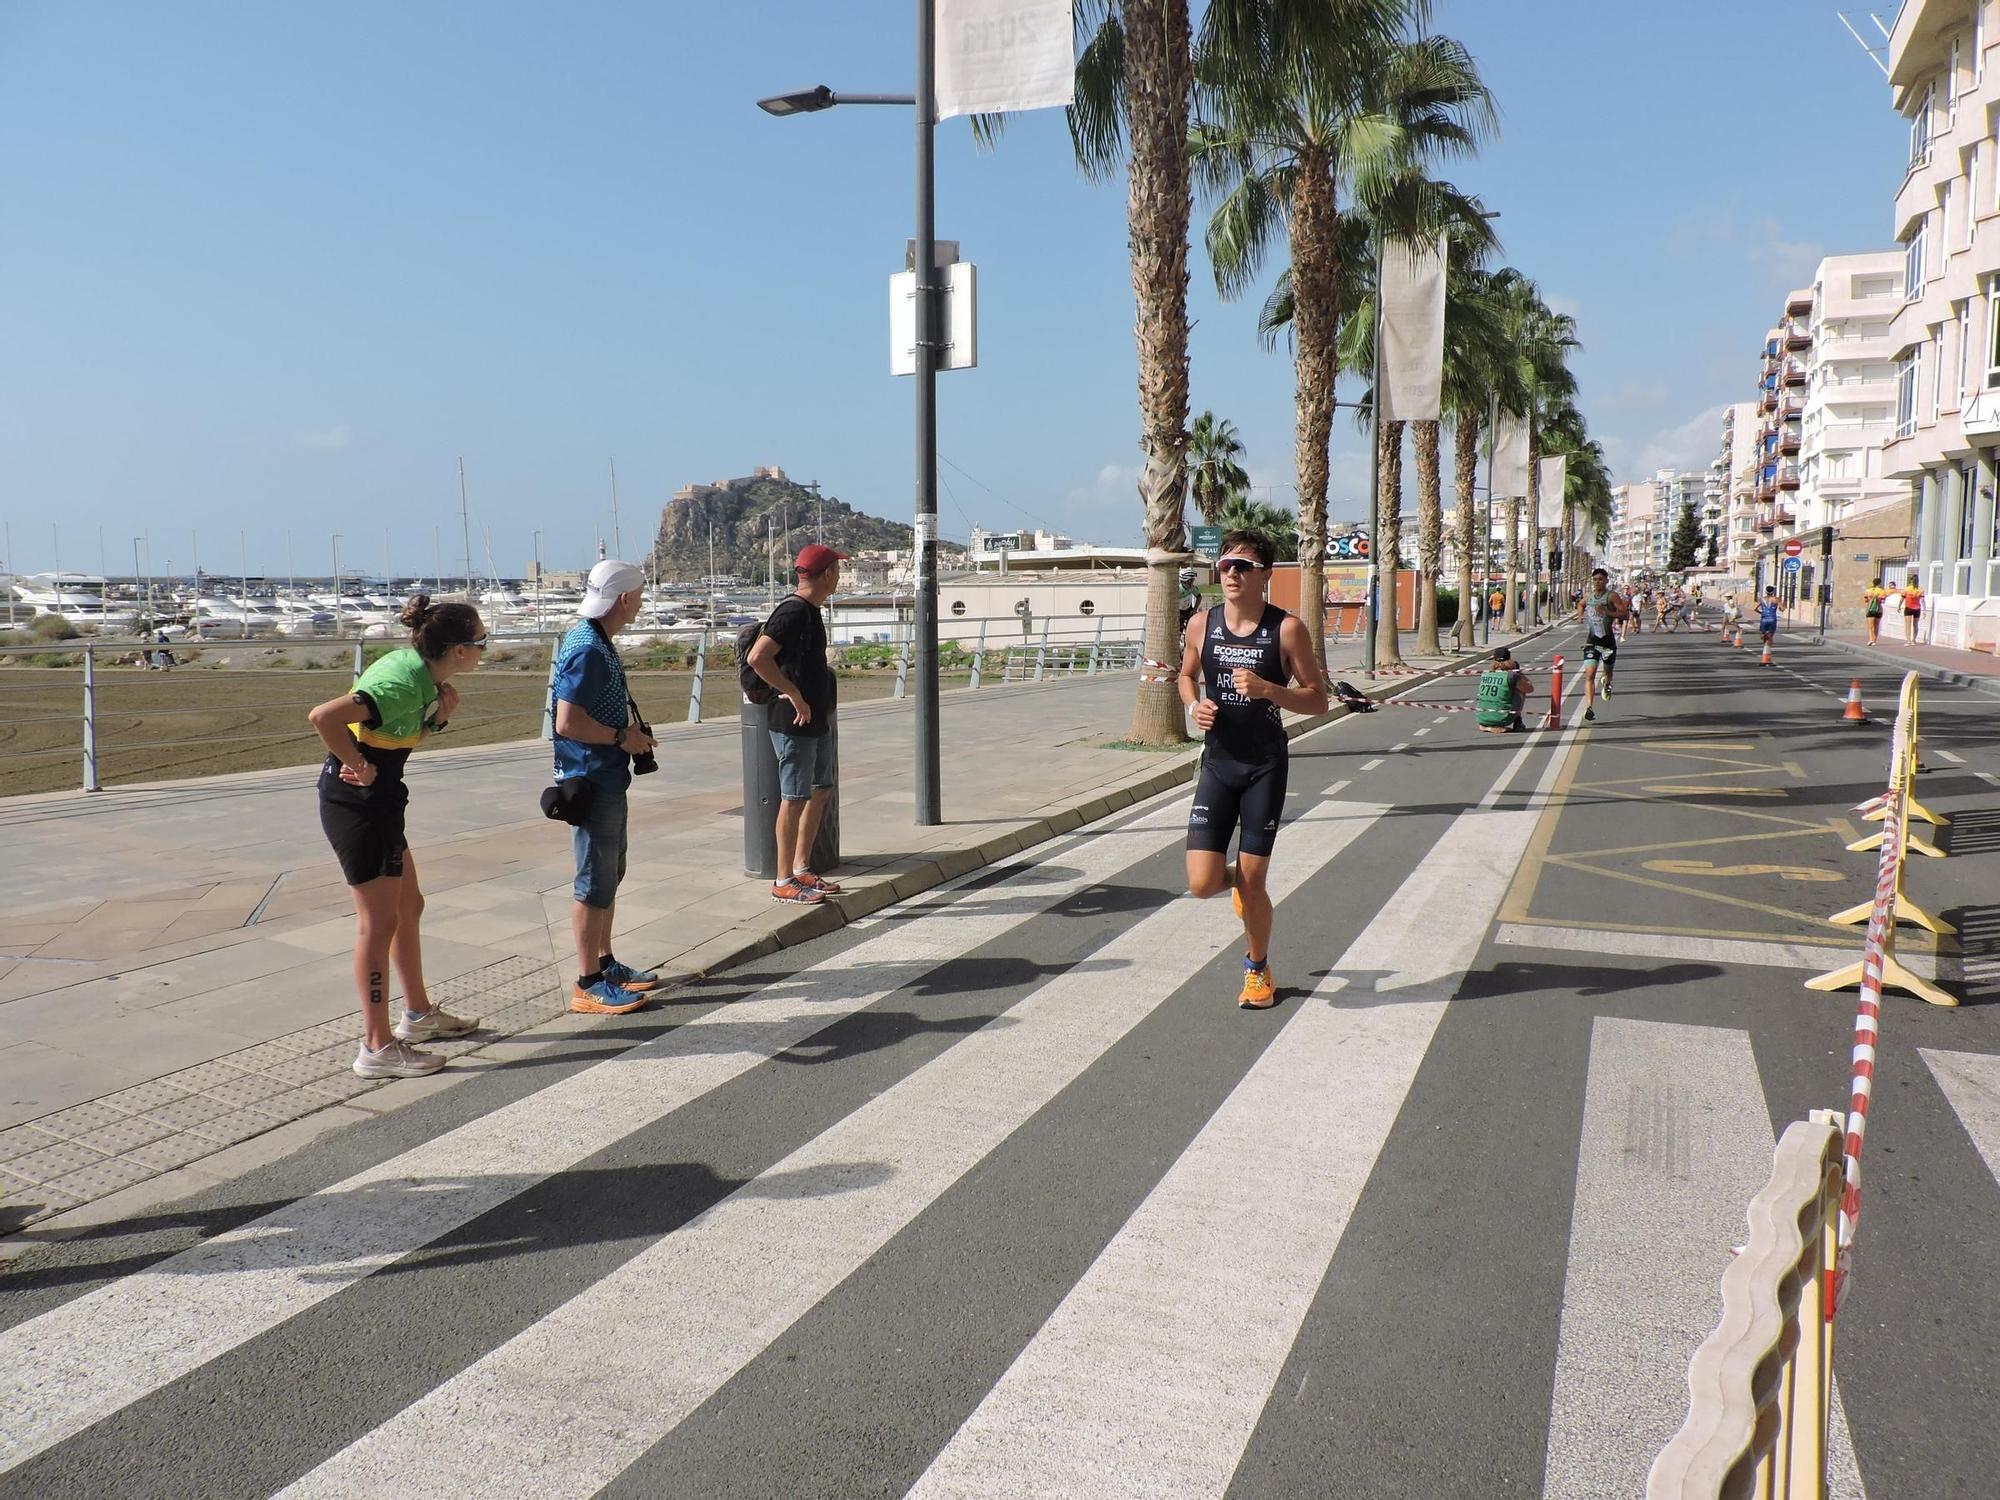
{"x": 599, "y": 844}
{"x": 805, "y": 764}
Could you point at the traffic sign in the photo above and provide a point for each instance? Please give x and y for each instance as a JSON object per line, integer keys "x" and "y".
{"x": 1792, "y": 565}
{"x": 1208, "y": 542}
{"x": 1793, "y": 547}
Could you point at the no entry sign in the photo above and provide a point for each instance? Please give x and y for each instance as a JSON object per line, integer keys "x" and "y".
{"x": 1793, "y": 547}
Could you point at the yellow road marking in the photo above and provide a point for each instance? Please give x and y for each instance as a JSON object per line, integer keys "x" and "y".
{"x": 1695, "y": 891}
{"x": 1662, "y": 789}
{"x": 1761, "y": 836}
{"x": 1805, "y": 873}
{"x": 1529, "y": 871}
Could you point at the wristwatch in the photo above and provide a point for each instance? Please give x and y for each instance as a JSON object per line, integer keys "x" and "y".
{"x": 618, "y": 738}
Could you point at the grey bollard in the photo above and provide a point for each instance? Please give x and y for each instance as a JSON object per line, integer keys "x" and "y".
{"x": 760, "y": 799}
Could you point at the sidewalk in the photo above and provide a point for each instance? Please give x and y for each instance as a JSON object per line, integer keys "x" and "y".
{"x": 1973, "y": 669}
{"x": 175, "y": 957}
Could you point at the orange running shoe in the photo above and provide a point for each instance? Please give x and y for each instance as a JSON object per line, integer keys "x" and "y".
{"x": 1258, "y": 991}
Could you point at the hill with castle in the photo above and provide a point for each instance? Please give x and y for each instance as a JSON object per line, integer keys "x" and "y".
{"x": 766, "y": 512}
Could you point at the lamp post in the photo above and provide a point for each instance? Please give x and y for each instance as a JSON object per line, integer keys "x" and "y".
{"x": 811, "y": 101}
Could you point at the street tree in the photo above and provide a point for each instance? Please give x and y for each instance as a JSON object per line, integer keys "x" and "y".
{"x": 1216, "y": 474}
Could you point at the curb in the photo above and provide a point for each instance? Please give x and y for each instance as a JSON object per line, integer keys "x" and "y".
{"x": 1978, "y": 682}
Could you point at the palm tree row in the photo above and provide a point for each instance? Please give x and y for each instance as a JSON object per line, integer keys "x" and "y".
{"x": 1318, "y": 124}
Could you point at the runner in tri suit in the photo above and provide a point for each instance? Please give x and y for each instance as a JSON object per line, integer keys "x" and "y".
{"x": 1236, "y": 666}
{"x": 1602, "y": 608}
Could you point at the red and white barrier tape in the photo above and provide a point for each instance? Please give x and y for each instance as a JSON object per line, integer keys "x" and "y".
{"x": 1147, "y": 668}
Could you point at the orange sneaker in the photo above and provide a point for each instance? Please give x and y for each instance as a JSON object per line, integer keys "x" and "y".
{"x": 1258, "y": 991}
{"x": 603, "y": 998}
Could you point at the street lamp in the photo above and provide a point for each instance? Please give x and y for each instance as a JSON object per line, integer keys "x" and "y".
{"x": 812, "y": 101}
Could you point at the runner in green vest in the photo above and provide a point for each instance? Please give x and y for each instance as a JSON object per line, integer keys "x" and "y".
{"x": 1502, "y": 691}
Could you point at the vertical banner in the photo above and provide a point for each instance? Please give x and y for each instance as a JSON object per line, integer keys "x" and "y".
{"x": 1000, "y": 55}
{"x": 1410, "y": 363}
{"x": 1510, "y": 457}
{"x": 1555, "y": 474}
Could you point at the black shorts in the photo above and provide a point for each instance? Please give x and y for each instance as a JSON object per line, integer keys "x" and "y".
{"x": 1605, "y": 651}
{"x": 365, "y": 827}
{"x": 1233, "y": 794}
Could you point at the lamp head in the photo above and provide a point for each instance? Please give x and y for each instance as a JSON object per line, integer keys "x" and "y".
{"x": 801, "y": 102}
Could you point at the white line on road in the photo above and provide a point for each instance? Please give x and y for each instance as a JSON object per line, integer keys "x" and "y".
{"x": 1988, "y": 777}
{"x": 1126, "y": 1391}
{"x": 1814, "y": 957}
{"x": 1440, "y": 718}
{"x": 1957, "y": 760}
{"x": 1971, "y": 1084}
{"x": 680, "y": 1318}
{"x": 1371, "y": 765}
{"x": 1424, "y": 731}
{"x": 1399, "y": 749}
{"x": 1336, "y": 789}
{"x": 1676, "y": 1142}
{"x": 80, "y": 1362}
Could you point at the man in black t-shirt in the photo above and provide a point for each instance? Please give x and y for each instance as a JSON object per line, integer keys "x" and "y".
{"x": 791, "y": 656}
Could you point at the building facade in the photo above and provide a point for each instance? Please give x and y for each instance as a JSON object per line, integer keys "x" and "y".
{"x": 1945, "y": 339}
{"x": 1738, "y": 461}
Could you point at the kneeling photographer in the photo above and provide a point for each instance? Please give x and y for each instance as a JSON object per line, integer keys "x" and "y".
{"x": 600, "y": 740}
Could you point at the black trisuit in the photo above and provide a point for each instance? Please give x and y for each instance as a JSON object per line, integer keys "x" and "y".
{"x": 1245, "y": 757}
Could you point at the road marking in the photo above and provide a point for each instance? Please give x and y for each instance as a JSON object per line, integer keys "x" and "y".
{"x": 1399, "y": 749}
{"x": 1337, "y": 788}
{"x": 1126, "y": 1391}
{"x": 1810, "y": 874}
{"x": 1988, "y": 777}
{"x": 1676, "y": 1142}
{"x": 1971, "y": 1084}
{"x": 1626, "y": 943}
{"x": 1424, "y": 731}
{"x": 80, "y": 1362}
{"x": 1439, "y": 719}
{"x": 684, "y": 1315}
{"x": 1371, "y": 765}
{"x": 1957, "y": 760}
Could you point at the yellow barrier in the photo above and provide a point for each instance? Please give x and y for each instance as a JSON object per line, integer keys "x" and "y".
{"x": 1894, "y": 808}
{"x": 1760, "y": 1388}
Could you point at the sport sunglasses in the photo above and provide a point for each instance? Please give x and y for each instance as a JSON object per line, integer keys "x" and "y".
{"x": 1238, "y": 565}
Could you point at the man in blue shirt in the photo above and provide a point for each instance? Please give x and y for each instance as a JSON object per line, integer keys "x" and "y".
{"x": 1767, "y": 620}
{"x": 595, "y": 740}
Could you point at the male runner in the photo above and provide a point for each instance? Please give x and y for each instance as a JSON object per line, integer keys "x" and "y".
{"x": 1767, "y": 617}
{"x": 1602, "y": 609}
{"x": 1239, "y": 657}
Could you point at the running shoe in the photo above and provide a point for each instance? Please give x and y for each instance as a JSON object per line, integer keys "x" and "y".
{"x": 435, "y": 1024}
{"x": 814, "y": 882}
{"x": 1258, "y": 991}
{"x": 627, "y": 978}
{"x": 790, "y": 890}
{"x": 1607, "y": 689}
{"x": 1589, "y": 714}
{"x": 602, "y": 998}
{"x": 396, "y": 1060}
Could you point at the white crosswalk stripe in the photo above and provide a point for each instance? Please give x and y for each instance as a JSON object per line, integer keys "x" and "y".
{"x": 68, "y": 1368}
{"x": 680, "y": 1318}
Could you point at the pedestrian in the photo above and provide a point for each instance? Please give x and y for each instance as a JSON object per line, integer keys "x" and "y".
{"x": 791, "y": 656}
{"x": 597, "y": 736}
{"x": 1767, "y": 618}
{"x": 1601, "y": 611}
{"x": 1239, "y": 665}
{"x": 1871, "y": 610}
{"x": 1503, "y": 691}
{"x": 369, "y": 732}
{"x": 1731, "y": 613}
{"x": 1913, "y": 609}
{"x": 1190, "y": 599}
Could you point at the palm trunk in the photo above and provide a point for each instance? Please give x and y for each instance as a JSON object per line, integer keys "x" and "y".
{"x": 1389, "y": 546}
{"x": 1430, "y": 533}
{"x": 1510, "y": 621}
{"x": 1465, "y": 464}
{"x": 1535, "y": 579}
{"x": 1315, "y": 220}
{"x": 1159, "y": 203}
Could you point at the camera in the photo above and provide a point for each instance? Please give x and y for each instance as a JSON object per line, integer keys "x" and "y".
{"x": 645, "y": 763}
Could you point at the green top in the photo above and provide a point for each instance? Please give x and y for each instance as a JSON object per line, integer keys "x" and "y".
{"x": 400, "y": 691}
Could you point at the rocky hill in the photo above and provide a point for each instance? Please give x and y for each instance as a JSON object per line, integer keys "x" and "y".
{"x": 738, "y": 509}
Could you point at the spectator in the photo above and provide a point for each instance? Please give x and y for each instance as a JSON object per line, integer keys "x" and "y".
{"x": 1503, "y": 692}
{"x": 791, "y": 657}
{"x": 595, "y": 739}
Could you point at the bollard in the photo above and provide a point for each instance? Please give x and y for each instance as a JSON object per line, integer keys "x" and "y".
{"x": 700, "y": 671}
{"x": 1097, "y": 646}
{"x": 979, "y": 658}
{"x": 760, "y": 798}
{"x": 1042, "y": 651}
{"x": 360, "y": 665}
{"x": 89, "y": 721}
{"x": 902, "y": 668}
{"x": 1554, "y": 719}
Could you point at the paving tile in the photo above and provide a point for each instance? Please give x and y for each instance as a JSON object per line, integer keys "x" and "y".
{"x": 122, "y": 1135}
{"x": 20, "y": 1140}
{"x": 297, "y": 1070}
{"x": 33, "y": 1200}
{"x": 203, "y": 1076}
{"x": 53, "y": 1161}
{"x": 80, "y": 1121}
{"x": 188, "y": 1111}
{"x": 104, "y": 1177}
{"x": 245, "y": 1088}
{"x": 172, "y": 1151}
{"x": 237, "y": 1125}
{"x": 144, "y": 1096}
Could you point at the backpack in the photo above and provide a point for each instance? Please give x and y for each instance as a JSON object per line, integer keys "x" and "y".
{"x": 1353, "y": 699}
{"x": 755, "y": 689}
{"x": 1495, "y": 705}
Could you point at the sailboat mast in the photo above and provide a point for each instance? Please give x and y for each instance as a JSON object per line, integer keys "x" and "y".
{"x": 617, "y": 535}
{"x": 465, "y": 525}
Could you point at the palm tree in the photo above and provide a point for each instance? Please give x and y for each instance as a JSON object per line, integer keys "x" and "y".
{"x": 1476, "y": 357}
{"x": 1280, "y": 525}
{"x": 1215, "y": 475}
{"x": 1283, "y": 126}
{"x": 1541, "y": 339}
{"x": 1134, "y": 88}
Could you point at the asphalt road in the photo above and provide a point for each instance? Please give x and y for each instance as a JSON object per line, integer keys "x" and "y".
{"x": 999, "y": 1193}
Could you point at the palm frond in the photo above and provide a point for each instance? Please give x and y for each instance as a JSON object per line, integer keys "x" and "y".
{"x": 1096, "y": 114}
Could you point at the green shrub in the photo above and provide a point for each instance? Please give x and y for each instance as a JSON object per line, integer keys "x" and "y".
{"x": 51, "y": 628}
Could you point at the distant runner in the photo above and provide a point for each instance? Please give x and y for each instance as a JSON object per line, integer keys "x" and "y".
{"x": 1913, "y": 609}
{"x": 1602, "y": 609}
{"x": 1767, "y": 617}
{"x": 1239, "y": 657}
{"x": 1871, "y": 608}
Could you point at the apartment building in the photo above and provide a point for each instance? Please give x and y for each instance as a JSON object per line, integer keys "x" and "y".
{"x": 1850, "y": 391}
{"x": 1737, "y": 464}
{"x": 1945, "y": 340}
{"x": 1676, "y": 491}
{"x": 1628, "y": 545}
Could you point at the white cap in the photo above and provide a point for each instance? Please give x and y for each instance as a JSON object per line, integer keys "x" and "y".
{"x": 608, "y": 580}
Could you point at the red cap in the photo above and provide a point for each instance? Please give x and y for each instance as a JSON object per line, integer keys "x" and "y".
{"x": 815, "y": 558}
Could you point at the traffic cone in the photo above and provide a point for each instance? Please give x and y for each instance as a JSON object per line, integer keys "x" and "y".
{"x": 1739, "y": 637}
{"x": 1855, "y": 714}
{"x": 1766, "y": 659}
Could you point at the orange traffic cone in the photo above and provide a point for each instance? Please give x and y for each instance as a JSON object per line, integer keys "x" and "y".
{"x": 1739, "y": 637}
{"x": 1855, "y": 714}
{"x": 1766, "y": 660}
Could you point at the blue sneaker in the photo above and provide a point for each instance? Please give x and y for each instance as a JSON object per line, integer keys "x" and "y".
{"x": 626, "y": 978}
{"x": 602, "y": 998}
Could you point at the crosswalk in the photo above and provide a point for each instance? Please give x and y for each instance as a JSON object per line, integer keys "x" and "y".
{"x": 1161, "y": 1356}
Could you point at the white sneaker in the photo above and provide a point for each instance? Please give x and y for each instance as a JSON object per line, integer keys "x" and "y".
{"x": 397, "y": 1060}
{"x": 434, "y": 1024}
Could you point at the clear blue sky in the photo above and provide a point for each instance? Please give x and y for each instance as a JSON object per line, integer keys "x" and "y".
{"x": 275, "y": 267}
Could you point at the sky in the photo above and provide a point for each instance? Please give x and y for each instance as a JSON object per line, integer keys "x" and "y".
{"x": 270, "y": 272}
